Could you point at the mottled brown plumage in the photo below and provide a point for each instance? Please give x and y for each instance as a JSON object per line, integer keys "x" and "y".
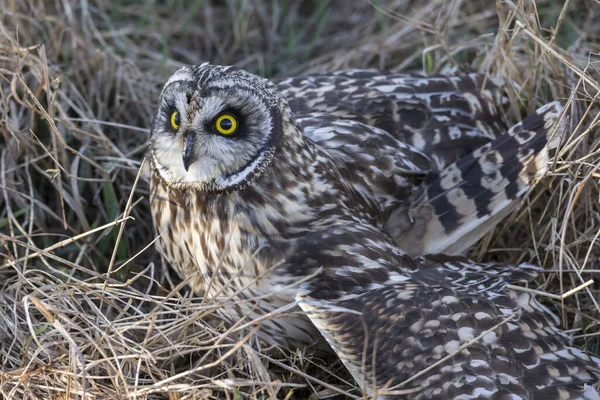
{"x": 308, "y": 218}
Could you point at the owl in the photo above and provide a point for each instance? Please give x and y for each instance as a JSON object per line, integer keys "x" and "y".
{"x": 332, "y": 210}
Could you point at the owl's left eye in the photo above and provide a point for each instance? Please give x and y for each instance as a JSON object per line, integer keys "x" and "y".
{"x": 175, "y": 119}
{"x": 226, "y": 124}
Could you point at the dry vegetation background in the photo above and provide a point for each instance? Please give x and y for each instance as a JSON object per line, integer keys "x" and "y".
{"x": 87, "y": 309}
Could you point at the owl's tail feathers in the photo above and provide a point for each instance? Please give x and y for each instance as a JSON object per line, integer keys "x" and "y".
{"x": 456, "y": 207}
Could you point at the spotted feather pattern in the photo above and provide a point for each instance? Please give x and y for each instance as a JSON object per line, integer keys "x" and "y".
{"x": 451, "y": 330}
{"x": 434, "y": 152}
{"x": 444, "y": 116}
{"x": 307, "y": 221}
{"x": 453, "y": 209}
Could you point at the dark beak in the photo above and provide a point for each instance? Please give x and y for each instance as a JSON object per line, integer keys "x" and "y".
{"x": 188, "y": 150}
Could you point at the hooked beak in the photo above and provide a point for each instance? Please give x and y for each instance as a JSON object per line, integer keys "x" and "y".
{"x": 188, "y": 151}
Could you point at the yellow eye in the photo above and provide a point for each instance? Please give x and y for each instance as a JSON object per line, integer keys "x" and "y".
{"x": 226, "y": 124}
{"x": 175, "y": 119}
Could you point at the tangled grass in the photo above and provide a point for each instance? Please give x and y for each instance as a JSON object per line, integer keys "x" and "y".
{"x": 87, "y": 308}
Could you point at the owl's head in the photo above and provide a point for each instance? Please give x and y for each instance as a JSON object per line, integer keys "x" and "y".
{"x": 216, "y": 128}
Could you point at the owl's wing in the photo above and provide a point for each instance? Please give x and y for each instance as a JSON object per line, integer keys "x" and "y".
{"x": 453, "y": 209}
{"x": 445, "y": 117}
{"x": 377, "y": 164}
{"x": 445, "y": 328}
{"x": 434, "y": 152}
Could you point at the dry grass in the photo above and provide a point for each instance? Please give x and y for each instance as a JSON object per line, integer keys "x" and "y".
{"x": 86, "y": 307}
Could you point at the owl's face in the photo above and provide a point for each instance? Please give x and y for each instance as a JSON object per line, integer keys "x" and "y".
{"x": 215, "y": 128}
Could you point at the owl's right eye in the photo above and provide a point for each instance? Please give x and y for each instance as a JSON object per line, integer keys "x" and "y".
{"x": 175, "y": 119}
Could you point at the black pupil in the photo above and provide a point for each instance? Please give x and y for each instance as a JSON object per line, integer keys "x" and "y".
{"x": 177, "y": 119}
{"x": 226, "y": 124}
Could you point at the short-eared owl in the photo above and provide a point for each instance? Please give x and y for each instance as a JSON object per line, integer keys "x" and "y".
{"x": 311, "y": 204}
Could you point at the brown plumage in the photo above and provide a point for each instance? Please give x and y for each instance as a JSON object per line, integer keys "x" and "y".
{"x": 318, "y": 191}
